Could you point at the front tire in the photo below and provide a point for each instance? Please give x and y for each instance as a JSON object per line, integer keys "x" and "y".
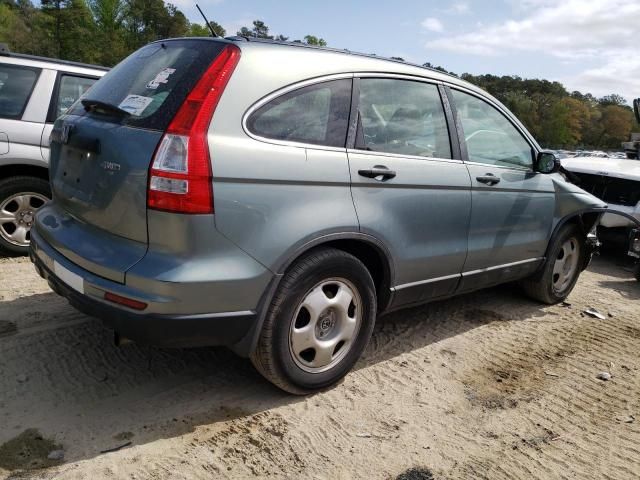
{"x": 20, "y": 198}
{"x": 561, "y": 269}
{"x": 319, "y": 322}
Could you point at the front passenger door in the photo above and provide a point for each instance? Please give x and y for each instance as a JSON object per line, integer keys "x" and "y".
{"x": 512, "y": 205}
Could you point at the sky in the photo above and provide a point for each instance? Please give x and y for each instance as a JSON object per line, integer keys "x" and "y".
{"x": 588, "y": 45}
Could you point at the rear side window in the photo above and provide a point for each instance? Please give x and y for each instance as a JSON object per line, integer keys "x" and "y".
{"x": 403, "y": 117}
{"x": 71, "y": 88}
{"x": 16, "y": 85}
{"x": 317, "y": 114}
{"x": 152, "y": 83}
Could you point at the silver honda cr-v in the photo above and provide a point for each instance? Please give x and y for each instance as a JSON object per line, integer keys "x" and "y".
{"x": 277, "y": 198}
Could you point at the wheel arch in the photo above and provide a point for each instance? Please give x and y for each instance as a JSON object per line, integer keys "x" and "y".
{"x": 584, "y": 219}
{"x": 368, "y": 249}
{"x": 23, "y": 169}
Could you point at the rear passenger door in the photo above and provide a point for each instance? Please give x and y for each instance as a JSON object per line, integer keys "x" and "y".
{"x": 512, "y": 205}
{"x": 409, "y": 186}
{"x": 284, "y": 181}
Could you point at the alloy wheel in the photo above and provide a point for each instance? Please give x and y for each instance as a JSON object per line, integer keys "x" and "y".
{"x": 566, "y": 264}
{"x": 325, "y": 325}
{"x": 17, "y": 214}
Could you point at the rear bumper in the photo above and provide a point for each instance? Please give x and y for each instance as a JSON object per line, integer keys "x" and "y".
{"x": 166, "y": 330}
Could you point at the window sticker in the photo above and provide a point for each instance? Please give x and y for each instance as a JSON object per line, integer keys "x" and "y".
{"x": 162, "y": 77}
{"x": 135, "y": 104}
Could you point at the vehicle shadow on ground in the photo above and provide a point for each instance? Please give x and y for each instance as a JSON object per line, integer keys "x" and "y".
{"x": 60, "y": 372}
{"x": 619, "y": 266}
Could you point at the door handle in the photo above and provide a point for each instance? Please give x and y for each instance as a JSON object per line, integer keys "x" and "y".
{"x": 378, "y": 171}
{"x": 488, "y": 179}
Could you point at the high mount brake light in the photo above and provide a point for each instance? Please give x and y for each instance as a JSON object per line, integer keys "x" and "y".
{"x": 180, "y": 174}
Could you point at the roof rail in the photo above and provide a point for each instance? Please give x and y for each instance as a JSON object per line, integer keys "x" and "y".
{"x": 4, "y": 51}
{"x": 336, "y": 50}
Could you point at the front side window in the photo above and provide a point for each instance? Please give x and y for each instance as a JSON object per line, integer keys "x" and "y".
{"x": 71, "y": 88}
{"x": 490, "y": 137}
{"x": 16, "y": 85}
{"x": 316, "y": 114}
{"x": 403, "y": 117}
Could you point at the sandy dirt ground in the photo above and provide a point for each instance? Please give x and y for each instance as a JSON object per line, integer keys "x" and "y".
{"x": 488, "y": 385}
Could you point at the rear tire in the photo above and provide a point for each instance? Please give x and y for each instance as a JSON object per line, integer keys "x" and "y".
{"x": 319, "y": 322}
{"x": 561, "y": 269}
{"x": 20, "y": 198}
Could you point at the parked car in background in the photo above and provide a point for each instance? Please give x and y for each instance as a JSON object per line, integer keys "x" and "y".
{"x": 615, "y": 181}
{"x": 632, "y": 147}
{"x": 34, "y": 91}
{"x": 276, "y": 197}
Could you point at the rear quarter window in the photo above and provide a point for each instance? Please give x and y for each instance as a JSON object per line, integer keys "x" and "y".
{"x": 16, "y": 85}
{"x": 152, "y": 83}
{"x": 316, "y": 114}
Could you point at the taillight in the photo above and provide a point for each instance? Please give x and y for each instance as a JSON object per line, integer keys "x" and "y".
{"x": 180, "y": 174}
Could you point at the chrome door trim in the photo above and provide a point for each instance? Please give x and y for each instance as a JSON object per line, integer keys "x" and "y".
{"x": 504, "y": 167}
{"x": 498, "y": 267}
{"x": 400, "y": 155}
{"x": 464, "y": 274}
{"x": 423, "y": 282}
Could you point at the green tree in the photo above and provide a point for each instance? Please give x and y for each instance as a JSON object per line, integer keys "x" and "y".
{"x": 72, "y": 28}
{"x": 259, "y": 30}
{"x": 613, "y": 99}
{"x": 218, "y": 29}
{"x": 197, "y": 30}
{"x": 617, "y": 122}
{"x": 313, "y": 40}
{"x": 14, "y": 30}
{"x": 109, "y": 17}
{"x": 149, "y": 20}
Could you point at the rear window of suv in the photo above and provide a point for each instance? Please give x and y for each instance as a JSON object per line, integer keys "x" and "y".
{"x": 16, "y": 85}
{"x": 152, "y": 83}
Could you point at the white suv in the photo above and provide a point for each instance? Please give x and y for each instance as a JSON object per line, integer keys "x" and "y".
{"x": 34, "y": 91}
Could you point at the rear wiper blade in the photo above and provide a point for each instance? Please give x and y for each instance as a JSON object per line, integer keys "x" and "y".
{"x": 92, "y": 104}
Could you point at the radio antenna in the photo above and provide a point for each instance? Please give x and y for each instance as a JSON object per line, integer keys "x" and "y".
{"x": 213, "y": 34}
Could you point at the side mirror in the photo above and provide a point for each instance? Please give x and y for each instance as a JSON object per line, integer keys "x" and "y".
{"x": 547, "y": 162}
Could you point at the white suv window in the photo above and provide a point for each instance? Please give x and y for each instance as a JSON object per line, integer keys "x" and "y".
{"x": 490, "y": 137}
{"x": 16, "y": 85}
{"x": 71, "y": 89}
